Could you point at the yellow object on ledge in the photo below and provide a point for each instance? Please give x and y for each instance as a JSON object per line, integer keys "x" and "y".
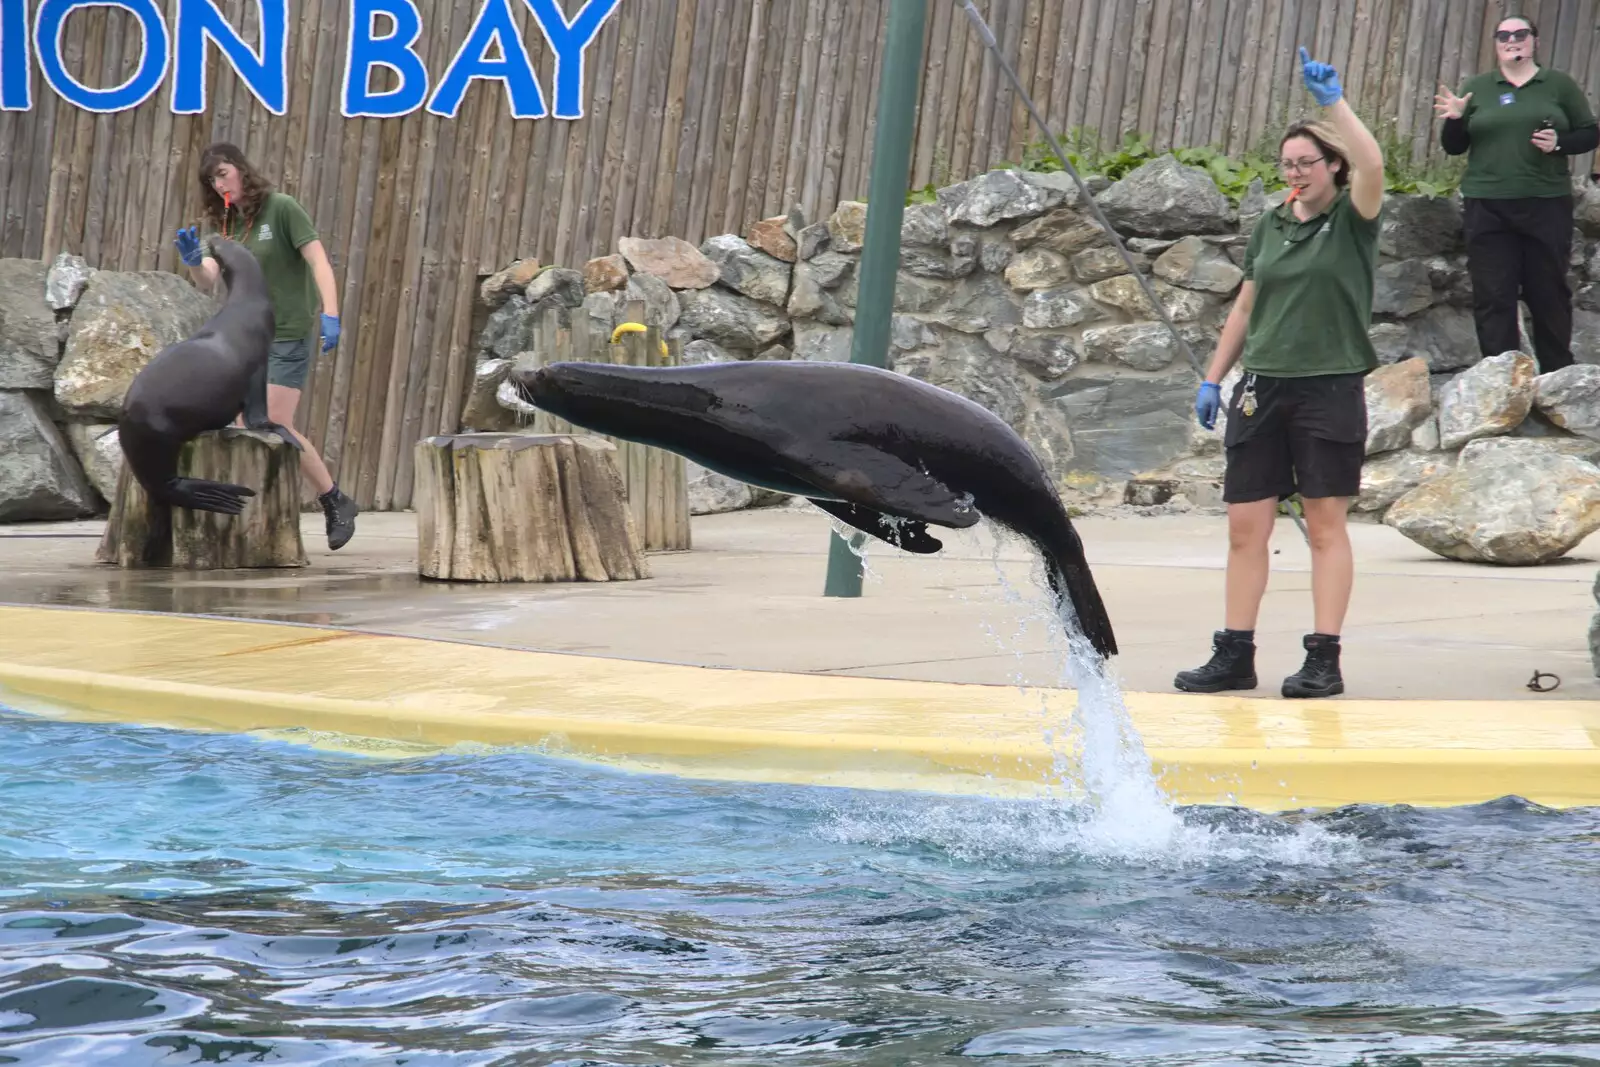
{"x": 335, "y": 687}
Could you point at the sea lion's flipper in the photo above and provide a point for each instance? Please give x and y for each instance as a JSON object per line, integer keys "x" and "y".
{"x": 283, "y": 432}
{"x": 1071, "y": 581}
{"x": 255, "y": 399}
{"x": 199, "y": 494}
{"x": 906, "y": 534}
{"x": 864, "y": 475}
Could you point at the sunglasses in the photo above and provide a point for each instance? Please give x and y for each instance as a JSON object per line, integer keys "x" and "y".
{"x": 1505, "y": 36}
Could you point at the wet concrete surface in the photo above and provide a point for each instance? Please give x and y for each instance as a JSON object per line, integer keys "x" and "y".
{"x": 749, "y": 595}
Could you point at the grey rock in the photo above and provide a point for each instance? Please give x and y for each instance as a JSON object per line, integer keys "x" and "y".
{"x": 829, "y": 269}
{"x": 511, "y": 328}
{"x": 748, "y": 270}
{"x": 909, "y": 334}
{"x": 1046, "y": 354}
{"x": 1510, "y": 501}
{"x": 40, "y": 479}
{"x": 1038, "y": 268}
{"x": 775, "y": 352}
{"x": 1425, "y": 435}
{"x": 99, "y": 454}
{"x": 811, "y": 240}
{"x": 65, "y": 282}
{"x": 731, "y": 319}
{"x": 1045, "y": 429}
{"x": 1052, "y": 309}
{"x": 711, "y": 493}
{"x": 809, "y": 300}
{"x": 702, "y": 351}
{"x": 847, "y": 226}
{"x": 1165, "y": 198}
{"x": 1452, "y": 284}
{"x": 483, "y": 412}
{"x": 1149, "y": 246}
{"x": 1570, "y": 398}
{"x": 1418, "y": 226}
{"x": 911, "y": 293}
{"x": 1125, "y": 293}
{"x": 995, "y": 254}
{"x": 999, "y": 195}
{"x": 562, "y": 284}
{"x": 1146, "y": 346}
{"x": 1391, "y": 341}
{"x": 1585, "y": 336}
{"x": 1195, "y": 264}
{"x": 934, "y": 263}
{"x": 1063, "y": 230}
{"x": 121, "y": 321}
{"x": 1489, "y": 399}
{"x": 1445, "y": 336}
{"x": 924, "y": 225}
{"x": 1252, "y": 206}
{"x": 820, "y": 343}
{"x": 1126, "y": 426}
{"x": 978, "y": 303}
{"x": 1402, "y": 289}
{"x": 1097, "y": 264}
{"x": 661, "y": 307}
{"x": 497, "y": 288}
{"x": 30, "y": 346}
{"x": 965, "y": 365}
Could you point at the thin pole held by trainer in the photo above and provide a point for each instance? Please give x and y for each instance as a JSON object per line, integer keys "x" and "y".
{"x": 886, "y": 205}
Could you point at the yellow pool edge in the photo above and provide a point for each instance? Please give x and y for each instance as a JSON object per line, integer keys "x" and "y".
{"x": 1264, "y": 763}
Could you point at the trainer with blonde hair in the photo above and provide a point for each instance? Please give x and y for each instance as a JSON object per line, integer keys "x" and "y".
{"x": 1297, "y": 420}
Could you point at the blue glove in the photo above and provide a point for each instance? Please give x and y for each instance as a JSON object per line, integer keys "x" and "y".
{"x": 188, "y": 243}
{"x": 1207, "y": 403}
{"x": 1321, "y": 79}
{"x": 330, "y": 331}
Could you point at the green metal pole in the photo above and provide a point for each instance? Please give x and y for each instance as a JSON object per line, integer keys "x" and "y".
{"x": 886, "y": 206}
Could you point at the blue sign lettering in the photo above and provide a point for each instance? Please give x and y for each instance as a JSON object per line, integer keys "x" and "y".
{"x": 47, "y": 33}
{"x": 16, "y": 61}
{"x": 396, "y": 50}
{"x": 493, "y": 25}
{"x": 264, "y": 74}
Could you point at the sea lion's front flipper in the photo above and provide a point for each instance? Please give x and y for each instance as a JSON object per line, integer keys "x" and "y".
{"x": 866, "y": 476}
{"x": 907, "y": 534}
{"x": 255, "y": 409}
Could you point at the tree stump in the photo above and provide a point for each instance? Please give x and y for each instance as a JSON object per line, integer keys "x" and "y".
{"x": 507, "y": 507}
{"x": 265, "y": 534}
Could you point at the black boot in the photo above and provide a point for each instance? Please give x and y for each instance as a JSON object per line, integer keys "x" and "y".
{"x": 1232, "y": 665}
{"x": 1320, "y": 676}
{"x": 341, "y": 512}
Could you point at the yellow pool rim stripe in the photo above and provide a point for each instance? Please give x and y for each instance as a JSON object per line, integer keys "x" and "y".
{"x": 333, "y": 687}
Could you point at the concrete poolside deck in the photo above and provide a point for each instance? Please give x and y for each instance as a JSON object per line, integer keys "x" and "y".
{"x": 749, "y": 596}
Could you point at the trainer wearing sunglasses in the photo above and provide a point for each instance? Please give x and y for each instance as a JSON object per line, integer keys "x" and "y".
{"x": 1517, "y": 124}
{"x": 1297, "y": 422}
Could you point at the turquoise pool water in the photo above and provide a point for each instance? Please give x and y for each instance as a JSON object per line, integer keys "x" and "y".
{"x": 174, "y": 898}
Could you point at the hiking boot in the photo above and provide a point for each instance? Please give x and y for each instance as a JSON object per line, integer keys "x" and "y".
{"x": 1232, "y": 665}
{"x": 341, "y": 512}
{"x": 1320, "y": 676}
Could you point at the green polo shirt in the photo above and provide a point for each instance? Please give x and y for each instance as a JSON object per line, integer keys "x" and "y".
{"x": 1502, "y": 163}
{"x": 275, "y": 237}
{"x": 1313, "y": 283}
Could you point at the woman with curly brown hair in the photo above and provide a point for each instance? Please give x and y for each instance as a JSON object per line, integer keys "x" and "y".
{"x": 241, "y": 205}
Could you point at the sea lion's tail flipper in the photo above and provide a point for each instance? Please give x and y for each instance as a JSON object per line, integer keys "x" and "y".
{"x": 198, "y": 494}
{"x": 1071, "y": 580}
{"x": 906, "y": 534}
{"x": 282, "y": 431}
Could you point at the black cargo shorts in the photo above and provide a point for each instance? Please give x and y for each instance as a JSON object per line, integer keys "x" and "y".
{"x": 1306, "y": 435}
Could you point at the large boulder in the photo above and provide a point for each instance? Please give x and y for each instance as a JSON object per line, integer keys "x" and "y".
{"x": 1003, "y": 194}
{"x": 672, "y": 259}
{"x": 1399, "y": 398}
{"x": 99, "y": 453}
{"x": 39, "y": 477}
{"x": 821, "y": 343}
{"x": 924, "y": 226}
{"x": 1510, "y": 501}
{"x": 1165, "y": 198}
{"x": 711, "y": 493}
{"x": 510, "y": 329}
{"x": 1126, "y": 294}
{"x": 847, "y": 227}
{"x": 1193, "y": 263}
{"x": 1038, "y": 268}
{"x": 1402, "y": 289}
{"x": 966, "y": 365}
{"x": 1491, "y": 398}
{"x": 772, "y": 237}
{"x": 1570, "y": 398}
{"x": 605, "y": 274}
{"x": 500, "y": 286}
{"x": 122, "y": 320}
{"x": 1063, "y": 230}
{"x": 1056, "y": 309}
{"x": 748, "y": 270}
{"x": 978, "y": 303}
{"x": 30, "y": 345}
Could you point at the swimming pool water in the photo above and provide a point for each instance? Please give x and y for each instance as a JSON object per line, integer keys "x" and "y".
{"x": 177, "y": 898}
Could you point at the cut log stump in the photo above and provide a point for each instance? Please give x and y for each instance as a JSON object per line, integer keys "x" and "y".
{"x": 265, "y": 534}
{"x": 508, "y": 507}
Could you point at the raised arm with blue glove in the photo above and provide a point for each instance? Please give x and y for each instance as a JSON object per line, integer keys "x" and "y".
{"x": 188, "y": 242}
{"x": 1321, "y": 79}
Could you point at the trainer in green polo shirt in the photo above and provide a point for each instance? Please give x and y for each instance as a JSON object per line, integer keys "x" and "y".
{"x": 1313, "y": 283}
{"x": 1500, "y": 119}
{"x": 275, "y": 236}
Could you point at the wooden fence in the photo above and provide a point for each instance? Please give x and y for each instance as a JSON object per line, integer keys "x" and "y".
{"x": 701, "y": 116}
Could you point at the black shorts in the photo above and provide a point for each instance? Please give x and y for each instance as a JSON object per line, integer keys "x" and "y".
{"x": 1307, "y": 436}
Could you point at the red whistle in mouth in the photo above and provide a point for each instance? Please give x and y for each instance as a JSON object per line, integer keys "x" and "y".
{"x": 1293, "y": 193}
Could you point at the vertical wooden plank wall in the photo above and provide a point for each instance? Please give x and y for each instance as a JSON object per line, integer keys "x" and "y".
{"x": 702, "y": 116}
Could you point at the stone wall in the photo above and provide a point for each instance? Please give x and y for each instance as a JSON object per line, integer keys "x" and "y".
{"x": 1011, "y": 294}
{"x": 71, "y": 340}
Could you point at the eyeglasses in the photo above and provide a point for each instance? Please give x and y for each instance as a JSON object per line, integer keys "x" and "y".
{"x": 1294, "y": 166}
{"x": 1505, "y": 36}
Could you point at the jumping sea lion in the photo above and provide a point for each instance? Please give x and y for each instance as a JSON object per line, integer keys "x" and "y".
{"x": 202, "y": 383}
{"x": 881, "y": 451}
